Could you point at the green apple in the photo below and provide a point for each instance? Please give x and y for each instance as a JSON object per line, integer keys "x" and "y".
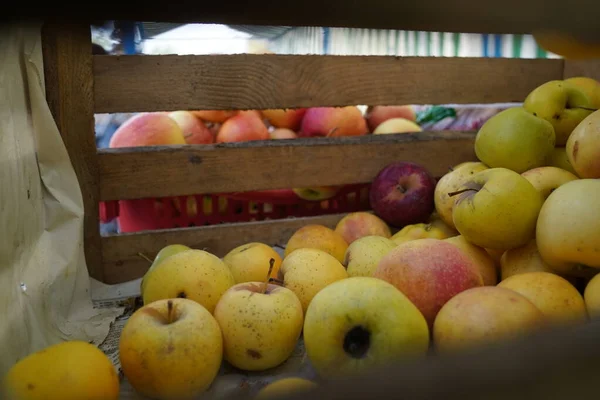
{"x": 583, "y": 147}
{"x": 559, "y": 158}
{"x": 568, "y": 228}
{"x": 163, "y": 254}
{"x": 363, "y": 255}
{"x": 497, "y": 209}
{"x": 561, "y": 103}
{"x": 515, "y": 139}
{"x": 547, "y": 179}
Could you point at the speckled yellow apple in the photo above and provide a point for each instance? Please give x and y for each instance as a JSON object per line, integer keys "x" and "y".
{"x": 364, "y": 254}
{"x": 560, "y": 302}
{"x": 568, "y": 229}
{"x": 559, "y": 158}
{"x": 449, "y": 183}
{"x": 590, "y": 86}
{"x": 171, "y": 349}
{"x": 482, "y": 316}
{"x": 583, "y": 147}
{"x": 164, "y": 253}
{"x": 284, "y": 387}
{"x": 437, "y": 222}
{"x": 261, "y": 324}
{"x": 318, "y": 237}
{"x": 497, "y": 208}
{"x": 481, "y": 259}
{"x": 192, "y": 274}
{"x": 359, "y": 323}
{"x": 307, "y": 271}
{"x": 524, "y": 259}
{"x": 250, "y": 262}
{"x": 546, "y": 179}
{"x": 359, "y": 224}
{"x": 43, "y": 374}
{"x": 419, "y": 231}
{"x": 591, "y": 296}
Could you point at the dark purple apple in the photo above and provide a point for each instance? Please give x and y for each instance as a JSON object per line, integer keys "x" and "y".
{"x": 402, "y": 194}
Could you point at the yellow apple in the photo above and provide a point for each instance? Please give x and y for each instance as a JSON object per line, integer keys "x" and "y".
{"x": 590, "y": 86}
{"x": 284, "y": 387}
{"x": 546, "y": 179}
{"x": 419, "y": 231}
{"x": 261, "y": 324}
{"x": 250, "y": 262}
{"x": 364, "y": 254}
{"x": 449, "y": 183}
{"x": 481, "y": 259}
{"x": 317, "y": 237}
{"x": 583, "y": 147}
{"x": 317, "y": 193}
{"x": 397, "y": 125}
{"x": 496, "y": 255}
{"x": 70, "y": 370}
{"x": 361, "y": 223}
{"x": 164, "y": 253}
{"x": 559, "y": 158}
{"x": 437, "y": 222}
{"x": 568, "y": 229}
{"x": 514, "y": 139}
{"x": 497, "y": 209}
{"x": 358, "y": 323}
{"x": 560, "y": 302}
{"x": 171, "y": 349}
{"x": 193, "y": 274}
{"x": 562, "y": 104}
{"x": 306, "y": 271}
{"x": 566, "y": 45}
{"x": 591, "y": 296}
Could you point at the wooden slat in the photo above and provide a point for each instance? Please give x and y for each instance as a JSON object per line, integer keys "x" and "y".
{"x": 276, "y": 164}
{"x": 120, "y": 252}
{"x": 589, "y": 68}
{"x": 69, "y": 92}
{"x": 170, "y": 82}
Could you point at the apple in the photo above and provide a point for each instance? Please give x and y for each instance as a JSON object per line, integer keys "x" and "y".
{"x": 397, "y": 125}
{"x": 361, "y": 223}
{"x": 319, "y": 237}
{"x": 284, "y": 387}
{"x": 333, "y": 122}
{"x": 193, "y": 274}
{"x": 164, "y": 253}
{"x": 429, "y": 272}
{"x": 359, "y": 323}
{"x": 496, "y": 255}
{"x": 562, "y": 104}
{"x": 419, "y": 231}
{"x": 449, "y": 183}
{"x": 218, "y": 116}
{"x": 243, "y": 127}
{"x": 147, "y": 129}
{"x": 591, "y": 296}
{"x": 483, "y": 316}
{"x": 378, "y": 114}
{"x": 363, "y": 255}
{"x": 250, "y": 262}
{"x": 261, "y": 324}
{"x": 514, "y": 139}
{"x": 590, "y": 86}
{"x": 280, "y": 118}
{"x": 547, "y": 179}
{"x": 317, "y": 193}
{"x": 556, "y": 298}
{"x": 568, "y": 229}
{"x": 497, "y": 209}
{"x": 282, "y": 133}
{"x": 306, "y": 271}
{"x": 559, "y": 158}
{"x": 402, "y": 194}
{"x": 194, "y": 130}
{"x": 480, "y": 258}
{"x": 69, "y": 369}
{"x": 566, "y": 45}
{"x": 436, "y": 222}
{"x": 171, "y": 349}
{"x": 583, "y": 147}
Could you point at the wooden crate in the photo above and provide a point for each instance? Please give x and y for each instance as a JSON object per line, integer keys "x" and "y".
{"x": 79, "y": 85}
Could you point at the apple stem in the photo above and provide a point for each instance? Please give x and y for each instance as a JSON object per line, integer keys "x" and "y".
{"x": 145, "y": 257}
{"x": 170, "y": 311}
{"x": 451, "y": 194}
{"x": 266, "y": 285}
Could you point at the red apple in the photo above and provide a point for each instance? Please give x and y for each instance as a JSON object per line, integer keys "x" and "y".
{"x": 244, "y": 126}
{"x": 378, "y": 114}
{"x": 402, "y": 194}
{"x": 289, "y": 118}
{"x": 147, "y": 129}
{"x": 429, "y": 272}
{"x": 219, "y": 116}
{"x": 283, "y": 133}
{"x": 194, "y": 130}
{"x": 333, "y": 122}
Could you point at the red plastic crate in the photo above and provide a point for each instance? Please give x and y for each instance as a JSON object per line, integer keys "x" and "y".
{"x": 198, "y": 210}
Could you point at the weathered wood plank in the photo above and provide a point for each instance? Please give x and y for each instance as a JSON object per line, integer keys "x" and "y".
{"x": 277, "y": 164}
{"x": 171, "y": 82}
{"x": 69, "y": 92}
{"x": 589, "y": 68}
{"x": 122, "y": 262}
